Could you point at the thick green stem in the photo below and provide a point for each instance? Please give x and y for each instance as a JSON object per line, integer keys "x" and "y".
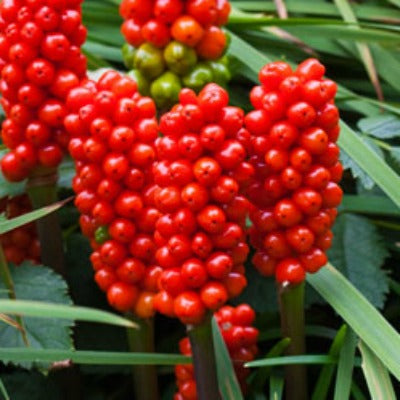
{"x": 291, "y": 301}
{"x": 9, "y": 284}
{"x": 144, "y": 376}
{"x": 205, "y": 369}
{"x": 42, "y": 190}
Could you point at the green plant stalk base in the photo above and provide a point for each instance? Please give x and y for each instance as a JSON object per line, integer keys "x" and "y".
{"x": 291, "y": 304}
{"x": 144, "y": 376}
{"x": 42, "y": 190}
{"x": 205, "y": 368}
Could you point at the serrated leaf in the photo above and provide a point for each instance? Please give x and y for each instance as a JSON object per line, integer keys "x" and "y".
{"x": 395, "y": 154}
{"x": 358, "y": 251}
{"x": 380, "y": 126}
{"x": 41, "y": 284}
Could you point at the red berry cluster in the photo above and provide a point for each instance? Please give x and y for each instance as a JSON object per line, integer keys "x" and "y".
{"x": 40, "y": 61}
{"x": 294, "y": 129}
{"x": 195, "y": 23}
{"x": 235, "y": 324}
{"x": 200, "y": 237}
{"x": 21, "y": 243}
{"x": 112, "y": 130}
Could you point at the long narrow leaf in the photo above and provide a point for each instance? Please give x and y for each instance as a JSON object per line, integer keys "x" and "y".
{"x": 377, "y": 205}
{"x": 10, "y": 224}
{"x": 370, "y": 162}
{"x": 3, "y": 390}
{"x": 228, "y": 383}
{"x": 49, "y": 310}
{"x": 345, "y": 367}
{"x": 293, "y": 360}
{"x": 360, "y": 315}
{"x": 276, "y": 384}
{"x": 325, "y": 377}
{"x": 90, "y": 357}
{"x": 376, "y": 375}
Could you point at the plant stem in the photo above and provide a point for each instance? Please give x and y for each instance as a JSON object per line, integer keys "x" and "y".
{"x": 205, "y": 369}
{"x": 144, "y": 376}
{"x": 9, "y": 284}
{"x": 291, "y": 302}
{"x": 42, "y": 190}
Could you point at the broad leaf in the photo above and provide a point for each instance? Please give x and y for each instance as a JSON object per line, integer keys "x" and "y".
{"x": 358, "y": 251}
{"x": 380, "y": 126}
{"x": 41, "y": 284}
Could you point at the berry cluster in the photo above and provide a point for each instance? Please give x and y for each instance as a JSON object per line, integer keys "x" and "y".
{"x": 40, "y": 61}
{"x": 235, "y": 324}
{"x": 175, "y": 43}
{"x": 294, "y": 129}
{"x": 112, "y": 129}
{"x": 21, "y": 243}
{"x": 201, "y": 235}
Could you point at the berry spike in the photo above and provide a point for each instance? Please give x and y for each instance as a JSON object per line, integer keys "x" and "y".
{"x": 40, "y": 61}
{"x": 173, "y": 44}
{"x": 201, "y": 235}
{"x": 112, "y": 130}
{"x": 293, "y": 130}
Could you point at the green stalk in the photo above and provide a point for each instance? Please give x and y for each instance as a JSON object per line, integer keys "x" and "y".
{"x": 9, "y": 284}
{"x": 144, "y": 376}
{"x": 42, "y": 190}
{"x": 205, "y": 368}
{"x": 291, "y": 302}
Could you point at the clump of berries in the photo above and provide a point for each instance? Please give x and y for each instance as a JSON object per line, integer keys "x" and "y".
{"x": 294, "y": 129}
{"x": 40, "y": 61}
{"x": 240, "y": 337}
{"x": 112, "y": 129}
{"x": 200, "y": 238}
{"x": 174, "y": 44}
{"x": 21, "y": 243}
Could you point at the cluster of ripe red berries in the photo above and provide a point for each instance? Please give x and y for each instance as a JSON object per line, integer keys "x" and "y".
{"x": 21, "y": 243}
{"x": 40, "y": 60}
{"x": 235, "y": 324}
{"x": 112, "y": 130}
{"x": 195, "y": 23}
{"x": 294, "y": 129}
{"x": 201, "y": 236}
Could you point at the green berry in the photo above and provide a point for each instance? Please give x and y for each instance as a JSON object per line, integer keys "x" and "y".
{"x": 149, "y": 61}
{"x": 165, "y": 89}
{"x": 180, "y": 58}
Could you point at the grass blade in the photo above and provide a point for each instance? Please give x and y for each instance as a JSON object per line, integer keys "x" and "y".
{"x": 90, "y": 357}
{"x": 345, "y": 366}
{"x": 7, "y": 225}
{"x": 325, "y": 377}
{"x": 360, "y": 315}
{"x": 293, "y": 360}
{"x": 363, "y": 49}
{"x": 3, "y": 390}
{"x": 370, "y": 162}
{"x": 276, "y": 384}
{"x": 376, "y": 375}
{"x": 48, "y": 310}
{"x": 375, "y": 205}
{"x": 228, "y": 383}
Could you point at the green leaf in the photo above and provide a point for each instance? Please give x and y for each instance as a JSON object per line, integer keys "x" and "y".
{"x": 360, "y": 315}
{"x": 376, "y": 205}
{"x": 10, "y": 224}
{"x": 345, "y": 366}
{"x": 29, "y": 354}
{"x": 325, "y": 377}
{"x": 314, "y": 359}
{"x": 357, "y": 172}
{"x": 376, "y": 375}
{"x": 3, "y": 391}
{"x": 261, "y": 375}
{"x": 395, "y": 154}
{"x": 41, "y": 284}
{"x": 359, "y": 252}
{"x": 276, "y": 387}
{"x": 47, "y": 310}
{"x": 380, "y": 126}
{"x": 370, "y": 162}
{"x": 227, "y": 380}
